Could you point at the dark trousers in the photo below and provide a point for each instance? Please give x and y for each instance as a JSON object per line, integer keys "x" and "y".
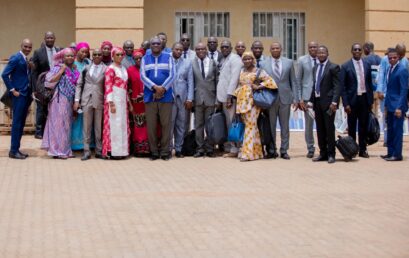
{"x": 202, "y": 112}
{"x": 162, "y": 112}
{"x": 360, "y": 113}
{"x": 20, "y": 110}
{"x": 395, "y": 134}
{"x": 325, "y": 130}
{"x": 41, "y": 118}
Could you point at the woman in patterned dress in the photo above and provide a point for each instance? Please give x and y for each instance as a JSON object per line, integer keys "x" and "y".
{"x": 63, "y": 77}
{"x": 251, "y": 148}
{"x": 115, "y": 135}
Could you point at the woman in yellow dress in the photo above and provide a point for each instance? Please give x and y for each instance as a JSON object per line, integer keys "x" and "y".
{"x": 251, "y": 148}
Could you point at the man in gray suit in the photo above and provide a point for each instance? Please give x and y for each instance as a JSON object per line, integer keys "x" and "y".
{"x": 229, "y": 67}
{"x": 89, "y": 94}
{"x": 205, "y": 79}
{"x": 183, "y": 97}
{"x": 305, "y": 85}
{"x": 282, "y": 71}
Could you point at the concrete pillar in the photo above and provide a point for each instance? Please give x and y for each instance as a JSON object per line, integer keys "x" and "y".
{"x": 114, "y": 20}
{"x": 386, "y": 23}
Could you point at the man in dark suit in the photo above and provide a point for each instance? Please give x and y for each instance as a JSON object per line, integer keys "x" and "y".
{"x": 396, "y": 104}
{"x": 17, "y": 80}
{"x": 357, "y": 95}
{"x": 325, "y": 98}
{"x": 205, "y": 81}
{"x": 213, "y": 53}
{"x": 43, "y": 61}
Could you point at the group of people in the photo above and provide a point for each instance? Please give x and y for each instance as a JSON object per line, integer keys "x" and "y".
{"x": 127, "y": 101}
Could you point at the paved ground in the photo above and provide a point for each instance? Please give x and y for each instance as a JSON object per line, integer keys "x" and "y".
{"x": 203, "y": 207}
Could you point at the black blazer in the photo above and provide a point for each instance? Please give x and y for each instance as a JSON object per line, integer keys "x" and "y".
{"x": 330, "y": 88}
{"x": 349, "y": 83}
{"x": 40, "y": 60}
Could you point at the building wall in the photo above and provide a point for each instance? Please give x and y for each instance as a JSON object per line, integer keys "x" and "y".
{"x": 114, "y": 20}
{"x": 31, "y": 19}
{"x": 387, "y": 23}
{"x": 336, "y": 24}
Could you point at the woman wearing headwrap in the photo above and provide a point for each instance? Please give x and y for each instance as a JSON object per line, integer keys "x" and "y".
{"x": 115, "y": 136}
{"x": 139, "y": 132}
{"x": 106, "y": 48}
{"x": 251, "y": 148}
{"x": 63, "y": 77}
{"x": 81, "y": 61}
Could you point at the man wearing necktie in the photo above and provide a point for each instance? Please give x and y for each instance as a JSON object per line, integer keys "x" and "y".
{"x": 396, "y": 104}
{"x": 205, "y": 81}
{"x": 357, "y": 95}
{"x": 43, "y": 61}
{"x": 213, "y": 53}
{"x": 187, "y": 52}
{"x": 325, "y": 98}
{"x": 305, "y": 83}
{"x": 16, "y": 77}
{"x": 281, "y": 69}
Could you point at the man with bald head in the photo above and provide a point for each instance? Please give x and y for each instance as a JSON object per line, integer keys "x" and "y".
{"x": 257, "y": 48}
{"x": 128, "y": 60}
{"x": 16, "y": 78}
{"x": 43, "y": 62}
{"x": 229, "y": 67}
{"x": 240, "y": 48}
{"x": 213, "y": 53}
{"x": 305, "y": 85}
{"x": 187, "y": 52}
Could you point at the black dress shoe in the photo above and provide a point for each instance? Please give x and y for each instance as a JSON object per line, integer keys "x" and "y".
{"x": 393, "y": 159}
{"x": 319, "y": 158}
{"x": 16, "y": 156}
{"x": 154, "y": 157}
{"x": 364, "y": 154}
{"x": 99, "y": 156}
{"x": 86, "y": 156}
{"x": 310, "y": 154}
{"x": 24, "y": 154}
{"x": 166, "y": 157}
{"x": 198, "y": 155}
{"x": 179, "y": 154}
{"x": 285, "y": 156}
{"x": 37, "y": 136}
{"x": 385, "y": 156}
{"x": 271, "y": 155}
{"x": 331, "y": 160}
{"x": 210, "y": 154}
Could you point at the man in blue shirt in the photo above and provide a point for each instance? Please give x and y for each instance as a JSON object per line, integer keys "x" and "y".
{"x": 157, "y": 74}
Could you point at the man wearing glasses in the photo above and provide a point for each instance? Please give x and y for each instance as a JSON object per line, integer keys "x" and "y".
{"x": 157, "y": 74}
{"x": 357, "y": 95}
{"x": 187, "y": 52}
{"x": 89, "y": 95}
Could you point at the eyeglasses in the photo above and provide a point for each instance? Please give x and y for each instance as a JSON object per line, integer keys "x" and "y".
{"x": 212, "y": 42}
{"x": 357, "y": 49}
{"x": 155, "y": 44}
{"x": 224, "y": 47}
{"x": 96, "y": 54}
{"x": 119, "y": 54}
{"x": 185, "y": 40}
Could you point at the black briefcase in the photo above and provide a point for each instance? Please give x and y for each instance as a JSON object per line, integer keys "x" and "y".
{"x": 216, "y": 130}
{"x": 373, "y": 131}
{"x": 347, "y": 146}
{"x": 6, "y": 99}
{"x": 189, "y": 144}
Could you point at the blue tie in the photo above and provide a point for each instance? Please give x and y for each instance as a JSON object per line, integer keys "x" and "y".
{"x": 318, "y": 83}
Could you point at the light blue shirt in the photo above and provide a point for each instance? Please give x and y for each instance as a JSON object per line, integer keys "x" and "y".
{"x": 383, "y": 72}
{"x": 183, "y": 84}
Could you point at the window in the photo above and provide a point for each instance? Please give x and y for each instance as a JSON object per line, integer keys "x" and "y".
{"x": 288, "y": 27}
{"x": 202, "y": 24}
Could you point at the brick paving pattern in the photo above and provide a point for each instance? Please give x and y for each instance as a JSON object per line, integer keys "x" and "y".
{"x": 203, "y": 207}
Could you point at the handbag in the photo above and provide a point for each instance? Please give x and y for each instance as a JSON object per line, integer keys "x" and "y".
{"x": 6, "y": 99}
{"x": 236, "y": 130}
{"x": 263, "y": 98}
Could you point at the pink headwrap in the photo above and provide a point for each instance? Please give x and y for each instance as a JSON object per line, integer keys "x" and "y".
{"x": 82, "y": 45}
{"x": 59, "y": 56}
{"x": 116, "y": 50}
{"x": 106, "y": 43}
{"x": 137, "y": 52}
